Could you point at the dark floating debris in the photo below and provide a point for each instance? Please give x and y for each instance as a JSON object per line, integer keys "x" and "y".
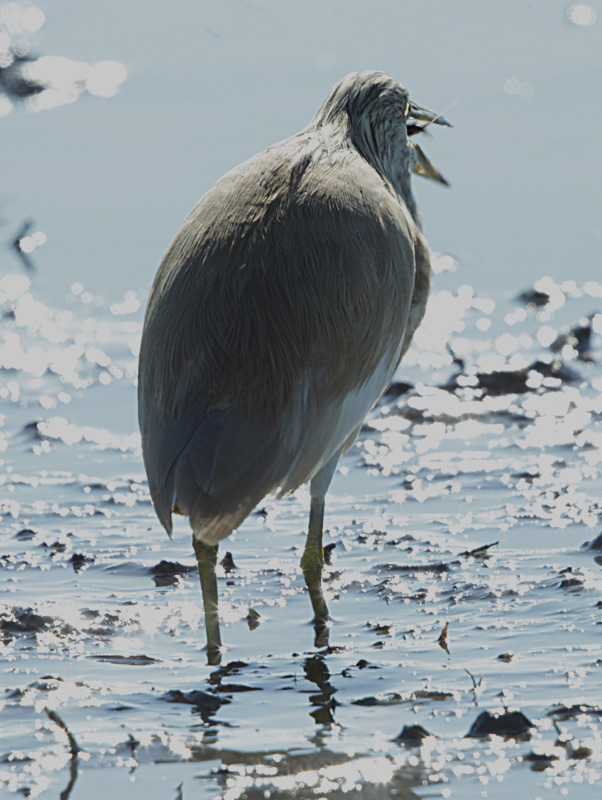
{"x": 532, "y": 297}
{"x": 571, "y": 580}
{"x": 397, "y": 389}
{"x": 563, "y": 712}
{"x": 580, "y": 753}
{"x": 432, "y": 694}
{"x": 412, "y": 735}
{"x": 328, "y": 553}
{"x": 595, "y": 544}
{"x": 54, "y": 547}
{"x": 540, "y": 761}
{"x": 578, "y": 338}
{"x": 438, "y": 567}
{"x": 227, "y": 563}
{"x": 78, "y": 561}
{"x": 506, "y": 657}
{"x": 380, "y": 628}
{"x": 50, "y": 81}
{"x": 14, "y": 81}
{"x": 555, "y": 369}
{"x": 205, "y": 703}
{"x": 20, "y": 621}
{"x": 18, "y": 244}
{"x": 164, "y": 568}
{"x": 32, "y": 431}
{"x": 395, "y": 698}
{"x": 392, "y": 699}
{"x": 500, "y": 382}
{"x": 480, "y": 551}
{"x": 166, "y": 573}
{"x": 25, "y": 535}
{"x": 511, "y": 724}
{"x": 459, "y": 362}
{"x": 442, "y": 640}
{"x": 127, "y": 661}
{"x": 234, "y": 688}
{"x": 253, "y": 619}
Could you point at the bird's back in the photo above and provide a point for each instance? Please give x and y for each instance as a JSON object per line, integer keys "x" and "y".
{"x": 275, "y": 322}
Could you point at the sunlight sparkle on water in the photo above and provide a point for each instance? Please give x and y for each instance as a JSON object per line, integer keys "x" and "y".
{"x": 29, "y": 243}
{"x": 548, "y": 286}
{"x": 441, "y": 262}
{"x": 522, "y": 89}
{"x": 343, "y": 778}
{"x": 6, "y": 56}
{"x": 444, "y": 316}
{"x": 130, "y": 304}
{"x": 64, "y": 80}
{"x": 12, "y": 286}
{"x": 59, "y": 428}
{"x": 546, "y": 335}
{"x": 581, "y": 14}
{"x": 105, "y": 78}
{"x": 593, "y": 289}
{"x": 17, "y": 19}
{"x": 5, "y": 106}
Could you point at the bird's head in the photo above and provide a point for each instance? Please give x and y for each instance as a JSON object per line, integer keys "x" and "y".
{"x": 374, "y": 113}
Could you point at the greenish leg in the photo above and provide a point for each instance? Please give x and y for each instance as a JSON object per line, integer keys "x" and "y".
{"x": 206, "y": 557}
{"x": 312, "y": 564}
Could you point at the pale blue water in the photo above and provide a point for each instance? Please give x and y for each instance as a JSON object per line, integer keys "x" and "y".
{"x": 211, "y": 83}
{"x": 85, "y": 628}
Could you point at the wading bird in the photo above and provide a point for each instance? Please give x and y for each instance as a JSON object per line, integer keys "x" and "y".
{"x": 277, "y": 319}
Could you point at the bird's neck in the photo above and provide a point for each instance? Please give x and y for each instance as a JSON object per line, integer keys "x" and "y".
{"x": 387, "y": 152}
{"x": 403, "y": 187}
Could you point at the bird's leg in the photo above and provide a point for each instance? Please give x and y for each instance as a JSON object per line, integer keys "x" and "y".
{"x": 206, "y": 558}
{"x": 312, "y": 564}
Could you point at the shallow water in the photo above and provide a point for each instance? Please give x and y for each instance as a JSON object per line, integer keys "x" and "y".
{"x": 96, "y": 631}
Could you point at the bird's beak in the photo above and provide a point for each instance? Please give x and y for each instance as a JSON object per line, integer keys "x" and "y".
{"x": 424, "y": 167}
{"x": 416, "y": 115}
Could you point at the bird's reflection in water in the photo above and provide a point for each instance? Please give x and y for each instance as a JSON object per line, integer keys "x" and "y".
{"x": 323, "y": 702}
